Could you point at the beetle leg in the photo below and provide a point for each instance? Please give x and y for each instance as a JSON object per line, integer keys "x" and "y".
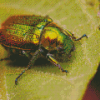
{"x": 10, "y": 57}
{"x": 25, "y": 53}
{"x": 4, "y": 59}
{"x": 81, "y": 37}
{"x": 34, "y": 57}
{"x": 54, "y": 61}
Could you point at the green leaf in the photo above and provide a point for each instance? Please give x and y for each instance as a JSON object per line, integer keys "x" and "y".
{"x": 45, "y": 81}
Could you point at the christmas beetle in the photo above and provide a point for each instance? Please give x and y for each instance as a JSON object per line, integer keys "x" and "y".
{"x": 32, "y": 36}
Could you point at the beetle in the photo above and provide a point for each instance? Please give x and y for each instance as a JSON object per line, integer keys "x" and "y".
{"x": 35, "y": 35}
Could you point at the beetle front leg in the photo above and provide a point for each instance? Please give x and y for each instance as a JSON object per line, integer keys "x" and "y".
{"x": 81, "y": 37}
{"x": 34, "y": 57}
{"x": 54, "y": 61}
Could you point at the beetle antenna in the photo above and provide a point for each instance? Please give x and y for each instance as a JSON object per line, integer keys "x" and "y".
{"x": 81, "y": 37}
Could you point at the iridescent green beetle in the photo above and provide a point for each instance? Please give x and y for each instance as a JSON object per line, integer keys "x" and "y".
{"x": 33, "y": 36}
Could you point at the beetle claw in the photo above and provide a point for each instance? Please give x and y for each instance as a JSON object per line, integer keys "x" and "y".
{"x": 85, "y": 36}
{"x": 65, "y": 71}
{"x": 16, "y": 82}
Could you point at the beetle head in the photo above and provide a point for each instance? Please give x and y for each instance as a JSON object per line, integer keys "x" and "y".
{"x": 68, "y": 45}
{"x": 64, "y": 50}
